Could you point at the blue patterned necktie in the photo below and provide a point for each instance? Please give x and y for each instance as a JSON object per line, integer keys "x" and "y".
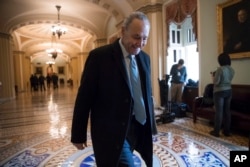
{"x": 139, "y": 106}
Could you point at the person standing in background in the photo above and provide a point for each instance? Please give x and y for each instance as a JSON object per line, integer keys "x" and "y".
{"x": 36, "y": 82}
{"x": 32, "y": 83}
{"x": 178, "y": 73}
{"x": 54, "y": 79}
{"x": 222, "y": 95}
{"x": 41, "y": 82}
{"x": 107, "y": 95}
{"x": 48, "y": 79}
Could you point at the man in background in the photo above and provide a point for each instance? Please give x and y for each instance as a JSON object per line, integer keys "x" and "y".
{"x": 178, "y": 73}
{"x": 41, "y": 82}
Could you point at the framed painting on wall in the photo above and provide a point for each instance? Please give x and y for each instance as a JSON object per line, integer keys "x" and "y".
{"x": 39, "y": 70}
{"x": 60, "y": 70}
{"x": 234, "y": 28}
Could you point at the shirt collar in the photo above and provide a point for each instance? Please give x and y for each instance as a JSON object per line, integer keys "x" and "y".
{"x": 124, "y": 52}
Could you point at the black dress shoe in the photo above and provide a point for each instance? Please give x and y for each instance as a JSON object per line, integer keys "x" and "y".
{"x": 213, "y": 133}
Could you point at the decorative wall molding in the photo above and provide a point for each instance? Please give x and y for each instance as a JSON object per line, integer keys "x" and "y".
{"x": 151, "y": 8}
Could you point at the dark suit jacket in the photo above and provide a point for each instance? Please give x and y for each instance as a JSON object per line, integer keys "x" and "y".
{"x": 104, "y": 94}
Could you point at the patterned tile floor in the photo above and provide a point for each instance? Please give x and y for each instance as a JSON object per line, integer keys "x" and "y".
{"x": 35, "y": 131}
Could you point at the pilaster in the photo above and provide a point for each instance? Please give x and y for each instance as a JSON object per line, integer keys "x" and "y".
{"x": 18, "y": 67}
{"x": 7, "y": 88}
{"x": 82, "y": 56}
{"x": 155, "y": 46}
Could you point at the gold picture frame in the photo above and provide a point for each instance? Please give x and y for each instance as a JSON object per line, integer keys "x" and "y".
{"x": 39, "y": 70}
{"x": 227, "y": 26}
{"x": 61, "y": 70}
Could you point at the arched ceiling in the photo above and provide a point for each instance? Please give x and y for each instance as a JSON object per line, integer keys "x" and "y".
{"x": 29, "y": 22}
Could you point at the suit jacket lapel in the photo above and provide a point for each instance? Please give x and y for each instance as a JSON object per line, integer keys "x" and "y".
{"x": 119, "y": 59}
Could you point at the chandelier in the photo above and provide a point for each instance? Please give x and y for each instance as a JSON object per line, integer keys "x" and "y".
{"x": 50, "y": 63}
{"x": 53, "y": 51}
{"x": 58, "y": 29}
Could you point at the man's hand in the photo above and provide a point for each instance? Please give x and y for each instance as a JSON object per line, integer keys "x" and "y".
{"x": 80, "y": 146}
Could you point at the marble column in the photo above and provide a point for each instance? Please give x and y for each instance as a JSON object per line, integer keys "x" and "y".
{"x": 73, "y": 67}
{"x": 82, "y": 59}
{"x": 155, "y": 46}
{"x": 7, "y": 88}
{"x": 18, "y": 67}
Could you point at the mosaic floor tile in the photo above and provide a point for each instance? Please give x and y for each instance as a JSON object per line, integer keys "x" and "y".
{"x": 35, "y": 132}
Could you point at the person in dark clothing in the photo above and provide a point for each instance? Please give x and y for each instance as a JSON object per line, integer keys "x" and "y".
{"x": 35, "y": 81}
{"x": 107, "y": 99}
{"x": 32, "y": 84}
{"x": 48, "y": 79}
{"x": 41, "y": 82}
{"x": 55, "y": 80}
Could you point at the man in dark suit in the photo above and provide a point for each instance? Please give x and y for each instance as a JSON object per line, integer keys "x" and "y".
{"x": 105, "y": 95}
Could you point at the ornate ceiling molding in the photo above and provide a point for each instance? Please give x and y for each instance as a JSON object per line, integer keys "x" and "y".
{"x": 151, "y": 8}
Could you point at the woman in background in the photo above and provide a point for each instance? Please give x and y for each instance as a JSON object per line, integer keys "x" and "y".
{"x": 222, "y": 95}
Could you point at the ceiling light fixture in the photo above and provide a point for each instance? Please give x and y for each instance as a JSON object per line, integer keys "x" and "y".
{"x": 58, "y": 29}
{"x": 53, "y": 52}
{"x": 50, "y": 62}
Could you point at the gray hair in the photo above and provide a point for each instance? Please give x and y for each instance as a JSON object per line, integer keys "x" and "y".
{"x": 135, "y": 15}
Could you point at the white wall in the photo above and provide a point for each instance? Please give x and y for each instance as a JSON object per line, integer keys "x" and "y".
{"x": 208, "y": 46}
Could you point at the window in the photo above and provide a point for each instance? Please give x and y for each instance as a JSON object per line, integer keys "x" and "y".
{"x": 190, "y": 36}
{"x": 183, "y": 46}
{"x": 175, "y": 35}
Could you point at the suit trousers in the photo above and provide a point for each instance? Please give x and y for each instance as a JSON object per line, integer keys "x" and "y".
{"x": 135, "y": 133}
